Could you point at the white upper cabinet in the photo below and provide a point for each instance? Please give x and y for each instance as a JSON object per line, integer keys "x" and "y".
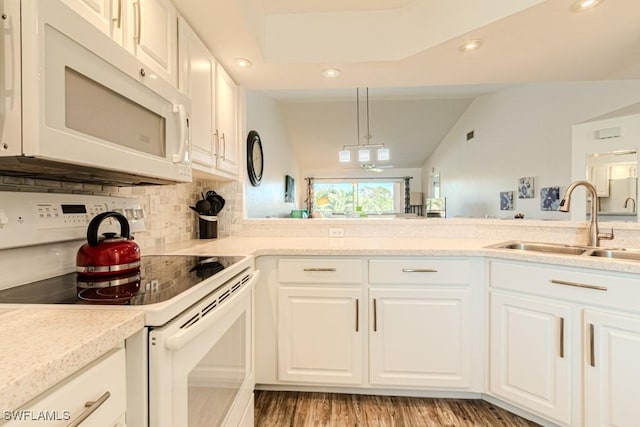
{"x": 106, "y": 15}
{"x": 147, "y": 28}
{"x": 227, "y": 122}
{"x": 214, "y": 117}
{"x": 198, "y": 80}
{"x": 154, "y": 36}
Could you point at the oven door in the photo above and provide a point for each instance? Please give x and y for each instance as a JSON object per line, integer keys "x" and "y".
{"x": 200, "y": 364}
{"x": 91, "y": 103}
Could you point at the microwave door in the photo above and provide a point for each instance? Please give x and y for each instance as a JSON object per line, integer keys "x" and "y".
{"x": 94, "y": 108}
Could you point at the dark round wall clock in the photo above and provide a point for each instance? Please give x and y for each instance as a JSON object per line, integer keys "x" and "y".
{"x": 255, "y": 158}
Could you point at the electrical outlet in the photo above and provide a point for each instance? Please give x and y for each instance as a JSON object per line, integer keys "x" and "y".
{"x": 336, "y": 232}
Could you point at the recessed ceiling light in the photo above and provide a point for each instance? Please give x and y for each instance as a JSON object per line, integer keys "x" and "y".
{"x": 471, "y": 45}
{"x": 331, "y": 73}
{"x": 585, "y": 4}
{"x": 242, "y": 62}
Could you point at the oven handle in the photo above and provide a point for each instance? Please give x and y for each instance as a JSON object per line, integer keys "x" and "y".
{"x": 183, "y": 336}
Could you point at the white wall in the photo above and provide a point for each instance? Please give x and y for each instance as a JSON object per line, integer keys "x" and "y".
{"x": 267, "y": 200}
{"x": 519, "y": 132}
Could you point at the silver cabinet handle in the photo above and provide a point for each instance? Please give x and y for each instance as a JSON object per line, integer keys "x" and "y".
{"x": 217, "y": 143}
{"x": 375, "y": 315}
{"x": 592, "y": 345}
{"x": 419, "y": 270}
{"x": 562, "y": 337}
{"x": 320, "y": 269}
{"x": 357, "y": 315}
{"x": 224, "y": 146}
{"x": 579, "y": 285}
{"x": 91, "y": 406}
{"x": 118, "y": 20}
{"x": 138, "y": 13}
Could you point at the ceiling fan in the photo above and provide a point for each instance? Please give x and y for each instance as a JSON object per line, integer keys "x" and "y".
{"x": 372, "y": 167}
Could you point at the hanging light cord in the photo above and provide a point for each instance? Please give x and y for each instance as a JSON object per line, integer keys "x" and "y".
{"x": 358, "y": 113}
{"x": 368, "y": 137}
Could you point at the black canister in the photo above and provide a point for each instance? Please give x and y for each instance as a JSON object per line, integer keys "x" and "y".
{"x": 208, "y": 226}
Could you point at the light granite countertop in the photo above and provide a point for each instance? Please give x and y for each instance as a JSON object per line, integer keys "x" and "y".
{"x": 39, "y": 347}
{"x": 384, "y": 246}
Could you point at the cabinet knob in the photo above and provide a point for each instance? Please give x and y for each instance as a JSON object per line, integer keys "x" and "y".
{"x": 143, "y": 72}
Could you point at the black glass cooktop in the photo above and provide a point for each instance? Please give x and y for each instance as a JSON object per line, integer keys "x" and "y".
{"x": 159, "y": 278}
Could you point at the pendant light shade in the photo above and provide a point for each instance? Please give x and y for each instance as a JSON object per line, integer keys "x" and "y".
{"x": 344, "y": 156}
{"x": 364, "y": 155}
{"x": 364, "y": 149}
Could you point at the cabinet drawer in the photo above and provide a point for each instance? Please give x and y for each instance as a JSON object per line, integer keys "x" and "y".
{"x": 67, "y": 400}
{"x": 320, "y": 270}
{"x": 600, "y": 289}
{"x": 420, "y": 271}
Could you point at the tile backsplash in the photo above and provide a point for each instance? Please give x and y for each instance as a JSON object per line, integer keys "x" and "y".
{"x": 166, "y": 207}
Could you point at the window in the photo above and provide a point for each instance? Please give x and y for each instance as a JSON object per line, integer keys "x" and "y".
{"x": 346, "y": 197}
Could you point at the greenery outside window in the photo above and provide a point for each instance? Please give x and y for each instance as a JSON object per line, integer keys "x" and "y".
{"x": 346, "y": 197}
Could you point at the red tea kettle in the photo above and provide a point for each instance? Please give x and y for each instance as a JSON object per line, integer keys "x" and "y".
{"x": 110, "y": 254}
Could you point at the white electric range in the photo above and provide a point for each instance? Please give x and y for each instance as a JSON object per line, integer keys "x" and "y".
{"x": 196, "y": 349}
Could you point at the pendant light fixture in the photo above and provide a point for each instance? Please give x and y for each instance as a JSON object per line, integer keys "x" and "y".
{"x": 364, "y": 149}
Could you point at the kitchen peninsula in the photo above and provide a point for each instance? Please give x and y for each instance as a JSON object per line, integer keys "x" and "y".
{"x": 488, "y": 312}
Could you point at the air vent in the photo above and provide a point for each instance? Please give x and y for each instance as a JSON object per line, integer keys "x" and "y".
{"x": 470, "y": 135}
{"x": 230, "y": 288}
{"x": 608, "y": 133}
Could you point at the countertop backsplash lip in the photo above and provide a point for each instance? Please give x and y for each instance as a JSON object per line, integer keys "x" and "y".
{"x": 569, "y": 232}
{"x": 390, "y": 247}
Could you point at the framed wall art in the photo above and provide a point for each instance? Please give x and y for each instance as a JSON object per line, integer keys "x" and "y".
{"x": 506, "y": 200}
{"x": 550, "y": 198}
{"x": 289, "y": 189}
{"x": 525, "y": 188}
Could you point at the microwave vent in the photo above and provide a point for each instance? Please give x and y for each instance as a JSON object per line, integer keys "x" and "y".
{"x": 31, "y": 167}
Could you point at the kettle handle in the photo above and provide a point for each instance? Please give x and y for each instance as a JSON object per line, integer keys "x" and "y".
{"x": 92, "y": 231}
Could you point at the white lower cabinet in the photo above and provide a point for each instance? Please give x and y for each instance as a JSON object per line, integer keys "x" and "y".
{"x": 564, "y": 342}
{"x": 96, "y": 394}
{"x": 420, "y": 337}
{"x": 319, "y": 335}
{"x": 341, "y": 319}
{"x": 561, "y": 344}
{"x": 530, "y": 356}
{"x": 612, "y": 368}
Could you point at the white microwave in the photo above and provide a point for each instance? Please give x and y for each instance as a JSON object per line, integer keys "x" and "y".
{"x": 78, "y": 107}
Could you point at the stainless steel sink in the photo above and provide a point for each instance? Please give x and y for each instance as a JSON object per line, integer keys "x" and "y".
{"x": 561, "y": 249}
{"x": 556, "y": 248}
{"x": 616, "y": 254}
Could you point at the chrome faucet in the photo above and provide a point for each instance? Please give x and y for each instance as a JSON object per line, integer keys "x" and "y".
{"x": 626, "y": 202}
{"x": 594, "y": 234}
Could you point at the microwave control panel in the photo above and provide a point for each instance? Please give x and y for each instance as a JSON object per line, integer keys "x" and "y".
{"x": 28, "y": 219}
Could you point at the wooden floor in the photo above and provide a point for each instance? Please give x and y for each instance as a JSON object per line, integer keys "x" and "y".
{"x": 328, "y": 409}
